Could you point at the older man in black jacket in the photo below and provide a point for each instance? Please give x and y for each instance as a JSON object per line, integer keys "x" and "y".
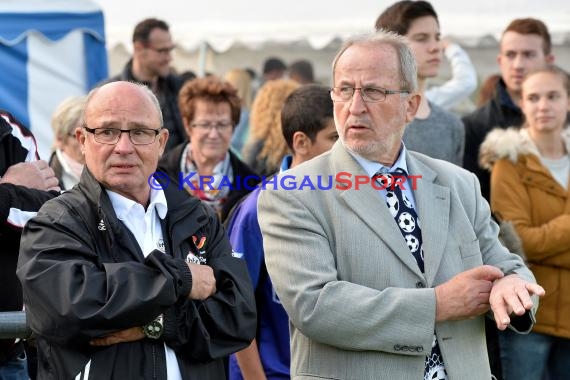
{"x": 125, "y": 277}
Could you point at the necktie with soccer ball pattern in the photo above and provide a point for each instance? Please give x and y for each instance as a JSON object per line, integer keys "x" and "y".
{"x": 403, "y": 212}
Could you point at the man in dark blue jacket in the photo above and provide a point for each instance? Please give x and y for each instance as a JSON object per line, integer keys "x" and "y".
{"x": 525, "y": 46}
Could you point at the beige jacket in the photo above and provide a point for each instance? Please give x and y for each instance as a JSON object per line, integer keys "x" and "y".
{"x": 524, "y": 192}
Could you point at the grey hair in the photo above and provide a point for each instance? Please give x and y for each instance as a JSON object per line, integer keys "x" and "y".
{"x": 67, "y": 116}
{"x": 143, "y": 88}
{"x": 408, "y": 70}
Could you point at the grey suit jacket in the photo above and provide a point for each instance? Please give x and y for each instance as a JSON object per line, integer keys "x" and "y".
{"x": 359, "y": 307}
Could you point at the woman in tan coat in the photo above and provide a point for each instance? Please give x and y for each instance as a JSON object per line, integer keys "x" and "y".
{"x": 529, "y": 187}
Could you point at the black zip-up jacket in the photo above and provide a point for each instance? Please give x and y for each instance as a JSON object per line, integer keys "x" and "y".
{"x": 498, "y": 112}
{"x": 84, "y": 276}
{"x": 15, "y": 140}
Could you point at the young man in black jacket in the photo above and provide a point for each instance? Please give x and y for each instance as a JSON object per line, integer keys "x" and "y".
{"x": 150, "y": 65}
{"x": 525, "y": 46}
{"x": 24, "y": 184}
{"x": 125, "y": 277}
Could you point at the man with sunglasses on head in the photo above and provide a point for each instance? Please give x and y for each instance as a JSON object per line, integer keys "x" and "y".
{"x": 125, "y": 278}
{"x": 150, "y": 65}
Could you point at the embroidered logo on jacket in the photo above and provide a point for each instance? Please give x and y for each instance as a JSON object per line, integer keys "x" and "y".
{"x": 199, "y": 257}
{"x": 101, "y": 226}
{"x": 199, "y": 244}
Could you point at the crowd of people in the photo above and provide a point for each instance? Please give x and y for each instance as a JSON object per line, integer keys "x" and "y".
{"x": 176, "y": 232}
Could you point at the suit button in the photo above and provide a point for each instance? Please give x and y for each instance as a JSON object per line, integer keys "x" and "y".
{"x": 420, "y": 284}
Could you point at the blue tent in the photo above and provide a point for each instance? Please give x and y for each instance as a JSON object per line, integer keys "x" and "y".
{"x": 49, "y": 50}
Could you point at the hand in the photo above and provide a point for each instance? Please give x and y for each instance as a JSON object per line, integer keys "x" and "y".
{"x": 467, "y": 294}
{"x": 203, "y": 281}
{"x": 511, "y": 295}
{"x": 35, "y": 175}
{"x": 129, "y": 335}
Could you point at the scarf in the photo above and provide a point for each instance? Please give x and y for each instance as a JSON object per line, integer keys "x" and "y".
{"x": 213, "y": 193}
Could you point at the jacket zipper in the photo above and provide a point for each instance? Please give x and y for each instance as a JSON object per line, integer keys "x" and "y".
{"x": 154, "y": 362}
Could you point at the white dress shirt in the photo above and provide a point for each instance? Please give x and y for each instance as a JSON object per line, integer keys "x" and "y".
{"x": 145, "y": 226}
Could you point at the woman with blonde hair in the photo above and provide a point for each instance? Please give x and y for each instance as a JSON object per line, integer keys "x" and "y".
{"x": 67, "y": 159}
{"x": 242, "y": 82}
{"x": 530, "y": 172}
{"x": 266, "y": 146}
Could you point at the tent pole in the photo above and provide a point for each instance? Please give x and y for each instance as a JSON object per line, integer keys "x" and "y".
{"x": 203, "y": 52}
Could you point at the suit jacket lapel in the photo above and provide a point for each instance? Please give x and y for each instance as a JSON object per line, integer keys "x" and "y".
{"x": 433, "y": 207}
{"x": 368, "y": 205}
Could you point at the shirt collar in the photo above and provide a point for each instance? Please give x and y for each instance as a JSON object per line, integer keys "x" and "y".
{"x": 373, "y": 167}
{"x": 158, "y": 201}
{"x": 123, "y": 205}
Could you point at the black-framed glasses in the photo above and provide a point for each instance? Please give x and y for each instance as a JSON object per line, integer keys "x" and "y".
{"x": 164, "y": 50}
{"x": 222, "y": 126}
{"x": 369, "y": 94}
{"x": 111, "y": 136}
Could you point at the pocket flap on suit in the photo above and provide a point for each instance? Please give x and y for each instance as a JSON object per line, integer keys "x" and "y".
{"x": 471, "y": 254}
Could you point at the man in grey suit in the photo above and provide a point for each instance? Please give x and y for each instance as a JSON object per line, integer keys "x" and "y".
{"x": 366, "y": 299}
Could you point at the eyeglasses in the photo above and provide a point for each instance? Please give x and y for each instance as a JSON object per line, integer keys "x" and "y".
{"x": 111, "y": 136}
{"x": 164, "y": 50}
{"x": 369, "y": 94}
{"x": 222, "y": 126}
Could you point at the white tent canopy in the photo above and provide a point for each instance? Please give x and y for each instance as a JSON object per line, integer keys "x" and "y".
{"x": 223, "y": 23}
{"x": 218, "y": 35}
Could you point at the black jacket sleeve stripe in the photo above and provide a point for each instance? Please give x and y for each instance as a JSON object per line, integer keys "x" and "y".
{"x": 23, "y": 136}
{"x": 18, "y": 218}
{"x": 18, "y": 204}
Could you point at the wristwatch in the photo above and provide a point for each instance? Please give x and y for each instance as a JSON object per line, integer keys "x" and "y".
{"x": 153, "y": 330}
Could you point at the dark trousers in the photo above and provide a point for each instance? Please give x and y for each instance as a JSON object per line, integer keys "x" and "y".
{"x": 492, "y": 334}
